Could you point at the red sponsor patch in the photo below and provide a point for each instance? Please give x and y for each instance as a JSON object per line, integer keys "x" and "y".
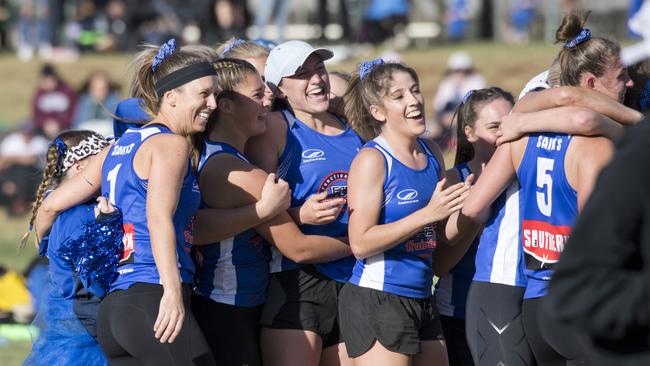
{"x": 424, "y": 240}
{"x": 128, "y": 242}
{"x": 543, "y": 241}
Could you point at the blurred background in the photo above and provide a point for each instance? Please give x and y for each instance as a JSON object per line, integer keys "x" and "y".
{"x": 63, "y": 64}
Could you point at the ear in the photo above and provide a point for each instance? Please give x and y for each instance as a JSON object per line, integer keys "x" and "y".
{"x": 171, "y": 98}
{"x": 588, "y": 80}
{"x": 225, "y": 105}
{"x": 377, "y": 113}
{"x": 278, "y": 93}
{"x": 470, "y": 135}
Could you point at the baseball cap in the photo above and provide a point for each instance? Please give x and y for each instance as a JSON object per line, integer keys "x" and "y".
{"x": 286, "y": 58}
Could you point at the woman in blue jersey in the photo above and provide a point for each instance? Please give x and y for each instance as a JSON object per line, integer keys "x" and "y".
{"x": 556, "y": 173}
{"x": 232, "y": 274}
{"x": 396, "y": 196}
{"x": 479, "y": 117}
{"x": 148, "y": 174}
{"x": 312, "y": 150}
{"x": 82, "y": 249}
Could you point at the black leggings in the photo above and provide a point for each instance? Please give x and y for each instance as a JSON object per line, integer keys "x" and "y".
{"x": 456, "y": 339}
{"x": 125, "y": 330}
{"x": 495, "y": 331}
{"x": 233, "y": 332}
{"x": 552, "y": 343}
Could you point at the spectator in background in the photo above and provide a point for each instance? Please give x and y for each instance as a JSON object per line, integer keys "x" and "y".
{"x": 6, "y": 22}
{"x": 522, "y": 14}
{"x": 20, "y": 165}
{"x": 382, "y": 18}
{"x": 98, "y": 99}
{"x": 53, "y": 103}
{"x": 265, "y": 10}
{"x": 33, "y": 29}
{"x": 457, "y": 17}
{"x": 459, "y": 79}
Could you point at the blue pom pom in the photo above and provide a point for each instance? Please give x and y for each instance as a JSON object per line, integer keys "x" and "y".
{"x": 95, "y": 254}
{"x": 230, "y": 46}
{"x": 366, "y": 67}
{"x": 165, "y": 50}
{"x": 583, "y": 36}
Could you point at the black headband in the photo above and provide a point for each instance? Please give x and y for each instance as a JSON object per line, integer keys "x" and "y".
{"x": 183, "y": 76}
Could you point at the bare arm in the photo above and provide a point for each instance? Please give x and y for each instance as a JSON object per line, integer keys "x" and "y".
{"x": 365, "y": 197}
{"x": 168, "y": 161}
{"x": 76, "y": 190}
{"x": 493, "y": 181}
{"x": 594, "y": 154}
{"x": 581, "y": 97}
{"x": 573, "y": 120}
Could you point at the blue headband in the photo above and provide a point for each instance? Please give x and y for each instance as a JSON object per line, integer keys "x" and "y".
{"x": 366, "y": 67}
{"x": 230, "y": 46}
{"x": 583, "y": 36}
{"x": 62, "y": 149}
{"x": 467, "y": 96}
{"x": 165, "y": 50}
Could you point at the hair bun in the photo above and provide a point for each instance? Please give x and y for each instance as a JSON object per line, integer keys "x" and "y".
{"x": 571, "y": 26}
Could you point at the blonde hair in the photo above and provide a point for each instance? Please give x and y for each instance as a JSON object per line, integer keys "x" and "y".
{"x": 593, "y": 55}
{"x": 362, "y": 93}
{"x": 241, "y": 50}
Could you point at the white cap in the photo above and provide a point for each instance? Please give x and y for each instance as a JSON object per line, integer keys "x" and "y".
{"x": 286, "y": 58}
{"x": 538, "y": 82}
{"x": 459, "y": 60}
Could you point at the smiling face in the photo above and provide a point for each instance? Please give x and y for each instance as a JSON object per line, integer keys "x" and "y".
{"x": 193, "y": 103}
{"x": 402, "y": 108}
{"x": 249, "y": 107}
{"x": 484, "y": 133}
{"x": 308, "y": 89}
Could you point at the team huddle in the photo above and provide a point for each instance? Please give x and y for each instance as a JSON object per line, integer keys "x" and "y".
{"x": 268, "y": 212}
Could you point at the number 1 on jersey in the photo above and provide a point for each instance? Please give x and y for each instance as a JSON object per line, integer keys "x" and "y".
{"x": 112, "y": 180}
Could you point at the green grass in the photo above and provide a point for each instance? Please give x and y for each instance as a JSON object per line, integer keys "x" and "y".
{"x": 14, "y": 353}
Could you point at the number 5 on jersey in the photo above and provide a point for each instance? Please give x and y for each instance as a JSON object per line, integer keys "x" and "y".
{"x": 544, "y": 185}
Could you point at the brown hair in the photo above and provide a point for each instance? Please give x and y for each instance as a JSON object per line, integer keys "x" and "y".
{"x": 52, "y": 173}
{"x": 467, "y": 114}
{"x": 361, "y": 94}
{"x": 593, "y": 55}
{"x": 143, "y": 78}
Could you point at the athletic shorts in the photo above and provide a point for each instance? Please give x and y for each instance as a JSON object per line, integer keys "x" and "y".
{"x": 398, "y": 323}
{"x": 303, "y": 299}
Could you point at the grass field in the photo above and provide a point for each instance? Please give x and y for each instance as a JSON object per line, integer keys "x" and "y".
{"x": 506, "y": 66}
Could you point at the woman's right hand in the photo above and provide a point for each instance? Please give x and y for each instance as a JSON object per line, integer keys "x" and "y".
{"x": 320, "y": 210}
{"x": 171, "y": 314}
{"x": 446, "y": 201}
{"x": 276, "y": 197}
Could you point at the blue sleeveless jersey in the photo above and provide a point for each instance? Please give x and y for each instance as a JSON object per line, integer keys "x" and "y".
{"x": 234, "y": 271}
{"x": 405, "y": 269}
{"x": 313, "y": 163}
{"x": 452, "y": 288}
{"x": 499, "y": 256}
{"x": 128, "y": 192}
{"x": 549, "y": 207}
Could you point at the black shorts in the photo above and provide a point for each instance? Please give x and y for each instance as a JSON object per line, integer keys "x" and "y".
{"x": 303, "y": 299}
{"x": 456, "y": 339}
{"x": 398, "y": 323}
{"x": 232, "y": 332}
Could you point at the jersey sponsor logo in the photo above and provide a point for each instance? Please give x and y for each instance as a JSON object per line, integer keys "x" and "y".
{"x": 549, "y": 143}
{"x": 310, "y": 155}
{"x": 335, "y": 184}
{"x": 423, "y": 243}
{"x": 128, "y": 244}
{"x": 543, "y": 243}
{"x": 188, "y": 232}
{"x": 406, "y": 196}
{"x": 122, "y": 150}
